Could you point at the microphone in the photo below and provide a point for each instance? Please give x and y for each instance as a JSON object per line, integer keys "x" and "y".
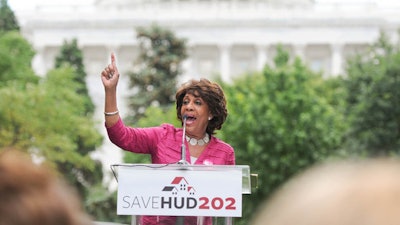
{"x": 183, "y": 146}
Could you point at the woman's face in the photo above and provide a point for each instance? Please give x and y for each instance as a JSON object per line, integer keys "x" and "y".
{"x": 197, "y": 112}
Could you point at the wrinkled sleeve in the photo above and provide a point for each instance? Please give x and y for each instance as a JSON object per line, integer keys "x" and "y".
{"x": 138, "y": 140}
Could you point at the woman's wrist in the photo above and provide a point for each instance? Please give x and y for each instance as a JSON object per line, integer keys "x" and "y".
{"x": 112, "y": 113}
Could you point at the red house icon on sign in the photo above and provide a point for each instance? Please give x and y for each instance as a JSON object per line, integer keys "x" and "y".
{"x": 179, "y": 184}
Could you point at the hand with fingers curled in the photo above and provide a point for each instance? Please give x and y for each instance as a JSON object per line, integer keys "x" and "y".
{"x": 108, "y": 71}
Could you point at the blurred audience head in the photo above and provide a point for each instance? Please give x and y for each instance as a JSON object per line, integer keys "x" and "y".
{"x": 363, "y": 192}
{"x": 33, "y": 194}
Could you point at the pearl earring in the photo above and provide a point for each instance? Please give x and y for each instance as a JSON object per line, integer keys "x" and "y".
{"x": 209, "y": 118}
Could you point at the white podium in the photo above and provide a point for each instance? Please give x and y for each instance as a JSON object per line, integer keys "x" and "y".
{"x": 181, "y": 194}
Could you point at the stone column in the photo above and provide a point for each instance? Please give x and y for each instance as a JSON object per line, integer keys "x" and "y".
{"x": 262, "y": 56}
{"x": 110, "y": 49}
{"x": 225, "y": 62}
{"x": 187, "y": 64}
{"x": 299, "y": 50}
{"x": 337, "y": 59}
{"x": 38, "y": 62}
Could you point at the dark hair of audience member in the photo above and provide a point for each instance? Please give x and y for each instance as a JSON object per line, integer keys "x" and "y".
{"x": 34, "y": 194}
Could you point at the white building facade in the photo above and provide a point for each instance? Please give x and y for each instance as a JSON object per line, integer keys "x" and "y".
{"x": 225, "y": 37}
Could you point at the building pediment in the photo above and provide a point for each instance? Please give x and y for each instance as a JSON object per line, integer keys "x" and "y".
{"x": 142, "y": 3}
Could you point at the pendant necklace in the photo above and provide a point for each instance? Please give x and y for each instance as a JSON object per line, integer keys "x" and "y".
{"x": 201, "y": 142}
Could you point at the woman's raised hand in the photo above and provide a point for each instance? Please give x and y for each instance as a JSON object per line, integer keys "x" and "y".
{"x": 110, "y": 74}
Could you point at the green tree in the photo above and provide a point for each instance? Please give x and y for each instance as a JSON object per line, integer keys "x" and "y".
{"x": 8, "y": 21}
{"x": 99, "y": 201}
{"x": 15, "y": 60}
{"x": 45, "y": 120}
{"x": 154, "y": 82}
{"x": 279, "y": 124}
{"x": 50, "y": 120}
{"x": 373, "y": 98}
{"x": 71, "y": 55}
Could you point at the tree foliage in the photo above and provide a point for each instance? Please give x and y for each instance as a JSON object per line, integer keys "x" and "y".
{"x": 16, "y": 56}
{"x": 373, "y": 97}
{"x": 279, "y": 124}
{"x": 8, "y": 21}
{"x": 47, "y": 117}
{"x": 158, "y": 66}
{"x": 71, "y": 55}
{"x": 99, "y": 201}
{"x": 71, "y": 58}
{"x": 45, "y": 120}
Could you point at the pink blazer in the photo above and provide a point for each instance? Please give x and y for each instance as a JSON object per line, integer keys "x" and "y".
{"x": 163, "y": 143}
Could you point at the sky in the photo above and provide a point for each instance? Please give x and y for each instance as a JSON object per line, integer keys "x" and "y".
{"x": 30, "y": 4}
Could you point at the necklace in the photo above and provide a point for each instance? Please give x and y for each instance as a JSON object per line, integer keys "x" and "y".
{"x": 194, "y": 141}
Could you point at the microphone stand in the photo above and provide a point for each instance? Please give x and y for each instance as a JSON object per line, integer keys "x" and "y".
{"x": 183, "y": 146}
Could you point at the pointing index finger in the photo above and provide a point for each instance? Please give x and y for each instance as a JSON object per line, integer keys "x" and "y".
{"x": 113, "y": 60}
{"x": 114, "y": 64}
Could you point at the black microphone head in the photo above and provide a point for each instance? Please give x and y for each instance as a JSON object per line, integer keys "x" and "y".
{"x": 184, "y": 117}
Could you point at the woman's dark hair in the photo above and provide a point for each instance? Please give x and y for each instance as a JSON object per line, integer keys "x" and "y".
{"x": 212, "y": 94}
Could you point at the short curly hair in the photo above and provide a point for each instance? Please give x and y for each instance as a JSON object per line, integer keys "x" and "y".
{"x": 212, "y": 94}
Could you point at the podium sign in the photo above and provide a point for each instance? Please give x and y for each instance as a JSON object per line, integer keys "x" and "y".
{"x": 195, "y": 191}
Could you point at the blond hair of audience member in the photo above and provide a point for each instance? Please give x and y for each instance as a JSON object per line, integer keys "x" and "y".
{"x": 32, "y": 194}
{"x": 338, "y": 193}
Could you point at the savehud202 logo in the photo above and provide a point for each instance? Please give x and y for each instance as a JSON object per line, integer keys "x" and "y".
{"x": 179, "y": 194}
